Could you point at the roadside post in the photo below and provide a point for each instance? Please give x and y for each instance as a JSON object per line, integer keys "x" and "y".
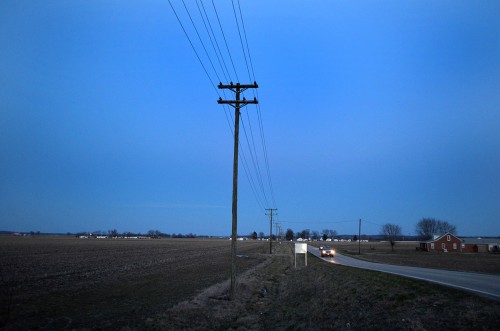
{"x": 300, "y": 248}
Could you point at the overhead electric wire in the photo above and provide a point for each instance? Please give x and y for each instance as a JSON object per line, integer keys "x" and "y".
{"x": 321, "y": 222}
{"x": 194, "y": 49}
{"x": 259, "y": 178}
{"x": 241, "y": 40}
{"x": 199, "y": 59}
{"x": 253, "y": 152}
{"x": 256, "y": 94}
{"x": 256, "y": 163}
{"x": 225, "y": 40}
{"x": 211, "y": 34}
{"x": 201, "y": 41}
{"x": 260, "y": 198}
{"x": 246, "y": 40}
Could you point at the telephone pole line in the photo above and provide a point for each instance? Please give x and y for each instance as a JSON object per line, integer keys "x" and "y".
{"x": 237, "y": 104}
{"x": 271, "y": 228}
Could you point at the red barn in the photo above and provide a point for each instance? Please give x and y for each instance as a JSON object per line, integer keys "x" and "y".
{"x": 444, "y": 243}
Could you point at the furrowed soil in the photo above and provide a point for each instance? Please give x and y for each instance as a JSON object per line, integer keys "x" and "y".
{"x": 183, "y": 285}
{"x": 53, "y": 283}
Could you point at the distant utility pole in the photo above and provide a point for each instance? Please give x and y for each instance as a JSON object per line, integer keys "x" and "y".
{"x": 271, "y": 228}
{"x": 237, "y": 104}
{"x": 359, "y": 237}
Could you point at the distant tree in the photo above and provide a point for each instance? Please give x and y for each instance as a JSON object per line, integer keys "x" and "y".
{"x": 427, "y": 227}
{"x": 289, "y": 234}
{"x": 261, "y": 235}
{"x": 113, "y": 233}
{"x": 155, "y": 234}
{"x": 324, "y": 237}
{"x": 391, "y": 232}
{"x": 254, "y": 235}
{"x": 305, "y": 234}
{"x": 355, "y": 238}
{"x": 315, "y": 235}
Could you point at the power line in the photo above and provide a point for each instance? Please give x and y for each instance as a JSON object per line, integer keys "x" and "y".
{"x": 246, "y": 40}
{"x": 255, "y": 164}
{"x": 258, "y": 184}
{"x": 194, "y": 49}
{"x": 225, "y": 40}
{"x": 201, "y": 41}
{"x": 215, "y": 44}
{"x": 241, "y": 40}
{"x": 320, "y": 222}
{"x": 259, "y": 117}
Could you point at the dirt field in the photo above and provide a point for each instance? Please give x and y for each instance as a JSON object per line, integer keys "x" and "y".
{"x": 91, "y": 284}
{"x": 65, "y": 282}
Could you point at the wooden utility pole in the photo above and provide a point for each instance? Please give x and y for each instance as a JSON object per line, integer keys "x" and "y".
{"x": 237, "y": 104}
{"x": 359, "y": 237}
{"x": 271, "y": 229}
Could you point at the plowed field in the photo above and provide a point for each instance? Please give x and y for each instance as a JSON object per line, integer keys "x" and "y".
{"x": 64, "y": 282}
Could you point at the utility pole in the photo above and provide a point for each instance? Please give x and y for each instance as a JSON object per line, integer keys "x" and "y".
{"x": 359, "y": 237}
{"x": 271, "y": 229}
{"x": 237, "y": 104}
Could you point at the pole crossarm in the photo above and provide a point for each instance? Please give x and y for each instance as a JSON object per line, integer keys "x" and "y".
{"x": 238, "y": 86}
{"x": 236, "y": 103}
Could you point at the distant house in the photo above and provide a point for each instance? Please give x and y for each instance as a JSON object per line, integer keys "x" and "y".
{"x": 475, "y": 245}
{"x": 447, "y": 242}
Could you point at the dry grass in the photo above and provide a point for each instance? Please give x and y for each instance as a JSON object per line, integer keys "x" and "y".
{"x": 325, "y": 296}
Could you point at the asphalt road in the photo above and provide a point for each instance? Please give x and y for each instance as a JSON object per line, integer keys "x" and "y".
{"x": 481, "y": 284}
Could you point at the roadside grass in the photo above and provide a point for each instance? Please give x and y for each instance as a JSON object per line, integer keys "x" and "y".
{"x": 332, "y": 297}
{"x": 324, "y": 296}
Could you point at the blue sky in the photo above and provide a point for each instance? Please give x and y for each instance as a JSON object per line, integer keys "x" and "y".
{"x": 385, "y": 111}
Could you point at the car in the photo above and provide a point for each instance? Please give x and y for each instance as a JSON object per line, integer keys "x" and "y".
{"x": 326, "y": 251}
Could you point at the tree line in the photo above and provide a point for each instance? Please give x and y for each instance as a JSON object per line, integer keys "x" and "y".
{"x": 425, "y": 229}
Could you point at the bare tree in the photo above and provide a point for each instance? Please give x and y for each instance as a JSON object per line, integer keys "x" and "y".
{"x": 427, "y": 227}
{"x": 329, "y": 233}
{"x": 391, "y": 232}
{"x": 289, "y": 234}
{"x": 305, "y": 234}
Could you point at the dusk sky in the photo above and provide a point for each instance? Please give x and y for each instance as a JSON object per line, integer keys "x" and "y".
{"x": 385, "y": 111}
